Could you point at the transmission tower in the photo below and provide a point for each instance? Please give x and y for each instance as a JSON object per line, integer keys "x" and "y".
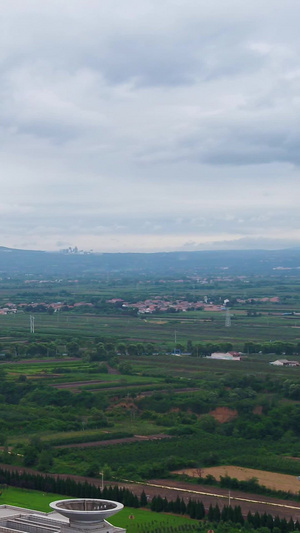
{"x": 31, "y": 324}
{"x": 227, "y": 319}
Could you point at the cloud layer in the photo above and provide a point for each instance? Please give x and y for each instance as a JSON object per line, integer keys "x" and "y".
{"x": 148, "y": 126}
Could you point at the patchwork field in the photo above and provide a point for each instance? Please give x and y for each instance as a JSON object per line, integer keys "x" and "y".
{"x": 268, "y": 479}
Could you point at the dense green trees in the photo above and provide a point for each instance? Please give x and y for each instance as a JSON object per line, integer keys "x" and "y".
{"x": 275, "y": 347}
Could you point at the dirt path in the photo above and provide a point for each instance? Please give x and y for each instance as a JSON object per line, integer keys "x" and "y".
{"x": 126, "y": 440}
{"x": 48, "y": 360}
{"x": 74, "y": 384}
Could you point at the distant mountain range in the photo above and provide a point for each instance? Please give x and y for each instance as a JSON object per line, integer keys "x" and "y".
{"x": 239, "y": 262}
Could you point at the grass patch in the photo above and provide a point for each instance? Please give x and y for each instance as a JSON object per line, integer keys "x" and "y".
{"x": 31, "y": 499}
{"x": 121, "y": 429}
{"x": 147, "y": 519}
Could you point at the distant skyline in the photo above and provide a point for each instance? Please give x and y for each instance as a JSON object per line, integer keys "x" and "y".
{"x": 145, "y": 126}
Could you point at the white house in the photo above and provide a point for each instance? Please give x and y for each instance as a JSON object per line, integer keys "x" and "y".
{"x": 228, "y": 356}
{"x": 284, "y": 362}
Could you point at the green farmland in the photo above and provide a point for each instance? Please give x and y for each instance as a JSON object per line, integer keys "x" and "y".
{"x": 98, "y": 387}
{"x": 197, "y": 327}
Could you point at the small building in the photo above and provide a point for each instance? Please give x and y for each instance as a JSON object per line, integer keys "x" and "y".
{"x": 284, "y": 362}
{"x": 228, "y": 356}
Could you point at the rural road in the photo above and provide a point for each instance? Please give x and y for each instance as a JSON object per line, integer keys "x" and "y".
{"x": 172, "y": 489}
{"x": 111, "y": 442}
{"x": 248, "y": 502}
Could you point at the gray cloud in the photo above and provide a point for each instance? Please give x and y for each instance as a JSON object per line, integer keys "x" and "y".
{"x": 141, "y": 126}
{"x": 250, "y": 243}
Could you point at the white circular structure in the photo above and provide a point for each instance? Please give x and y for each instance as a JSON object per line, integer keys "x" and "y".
{"x": 86, "y": 510}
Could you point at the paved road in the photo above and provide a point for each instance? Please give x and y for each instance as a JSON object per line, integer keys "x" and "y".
{"x": 212, "y": 495}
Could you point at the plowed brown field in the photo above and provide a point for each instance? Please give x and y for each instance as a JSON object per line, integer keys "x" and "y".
{"x": 269, "y": 479}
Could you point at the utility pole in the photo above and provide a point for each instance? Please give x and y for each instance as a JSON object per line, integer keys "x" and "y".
{"x": 227, "y": 318}
{"x": 102, "y": 482}
{"x": 31, "y": 324}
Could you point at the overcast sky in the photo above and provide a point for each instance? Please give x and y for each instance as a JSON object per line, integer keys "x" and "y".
{"x": 149, "y": 125}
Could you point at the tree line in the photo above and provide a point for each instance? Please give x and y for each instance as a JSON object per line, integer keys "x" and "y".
{"x": 194, "y": 508}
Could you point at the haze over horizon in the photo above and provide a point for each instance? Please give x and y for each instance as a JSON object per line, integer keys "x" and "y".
{"x": 143, "y": 126}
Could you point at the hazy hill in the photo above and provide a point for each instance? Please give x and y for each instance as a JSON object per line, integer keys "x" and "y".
{"x": 239, "y": 262}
